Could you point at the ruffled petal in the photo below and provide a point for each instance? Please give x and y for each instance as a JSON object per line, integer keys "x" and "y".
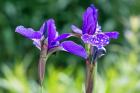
{"x": 28, "y": 32}
{"x": 113, "y": 35}
{"x": 86, "y": 38}
{"x": 74, "y": 48}
{"x": 99, "y": 40}
{"x": 76, "y": 29}
{"x": 90, "y": 20}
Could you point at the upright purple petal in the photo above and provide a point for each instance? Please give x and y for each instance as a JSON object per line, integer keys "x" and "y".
{"x": 43, "y": 29}
{"x": 74, "y": 48}
{"x": 113, "y": 35}
{"x": 51, "y": 30}
{"x": 56, "y": 42}
{"x": 63, "y": 36}
{"x": 76, "y": 29}
{"x": 98, "y": 28}
{"x": 90, "y": 20}
{"x": 28, "y": 32}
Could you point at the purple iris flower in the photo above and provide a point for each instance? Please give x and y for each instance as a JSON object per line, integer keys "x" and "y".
{"x": 48, "y": 31}
{"x": 91, "y": 32}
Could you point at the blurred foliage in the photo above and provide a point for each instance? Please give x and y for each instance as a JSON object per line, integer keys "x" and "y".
{"x": 118, "y": 70}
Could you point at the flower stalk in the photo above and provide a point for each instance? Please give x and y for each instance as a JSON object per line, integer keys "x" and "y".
{"x": 90, "y": 75}
{"x": 95, "y": 40}
{"x": 49, "y": 41}
{"x": 90, "y": 68}
{"x": 42, "y": 61}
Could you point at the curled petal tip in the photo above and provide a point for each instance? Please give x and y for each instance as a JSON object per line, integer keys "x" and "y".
{"x": 116, "y": 34}
{"x": 97, "y": 52}
{"x": 76, "y": 29}
{"x": 28, "y": 32}
{"x": 18, "y": 28}
{"x": 101, "y": 52}
{"x": 92, "y": 5}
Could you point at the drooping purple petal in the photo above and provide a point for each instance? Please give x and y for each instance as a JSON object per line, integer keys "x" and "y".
{"x": 113, "y": 35}
{"x": 86, "y": 38}
{"x": 74, "y": 48}
{"x": 51, "y": 30}
{"x": 28, "y": 32}
{"x": 99, "y": 40}
{"x": 90, "y": 20}
{"x": 76, "y": 29}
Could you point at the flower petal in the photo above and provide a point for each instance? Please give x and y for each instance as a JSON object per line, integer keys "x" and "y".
{"x": 90, "y": 20}
{"x": 98, "y": 28}
{"x": 28, "y": 32}
{"x": 113, "y": 35}
{"x": 51, "y": 30}
{"x": 76, "y": 29}
{"x": 74, "y": 48}
{"x": 37, "y": 43}
{"x": 59, "y": 38}
{"x": 86, "y": 38}
{"x": 99, "y": 40}
{"x": 43, "y": 29}
{"x": 101, "y": 51}
{"x": 63, "y": 36}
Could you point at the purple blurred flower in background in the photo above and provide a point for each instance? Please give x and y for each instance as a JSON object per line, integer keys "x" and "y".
{"x": 48, "y": 31}
{"x": 91, "y": 32}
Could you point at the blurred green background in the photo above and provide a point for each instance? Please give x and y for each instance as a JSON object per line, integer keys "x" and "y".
{"x": 118, "y": 70}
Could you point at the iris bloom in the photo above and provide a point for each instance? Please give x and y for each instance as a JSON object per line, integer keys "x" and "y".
{"x": 91, "y": 32}
{"x": 48, "y": 41}
{"x": 52, "y": 39}
{"x": 95, "y": 40}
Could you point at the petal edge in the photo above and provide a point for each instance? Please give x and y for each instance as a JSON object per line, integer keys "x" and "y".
{"x": 28, "y": 32}
{"x": 74, "y": 48}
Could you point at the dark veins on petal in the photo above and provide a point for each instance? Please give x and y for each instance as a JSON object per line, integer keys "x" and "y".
{"x": 100, "y": 40}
